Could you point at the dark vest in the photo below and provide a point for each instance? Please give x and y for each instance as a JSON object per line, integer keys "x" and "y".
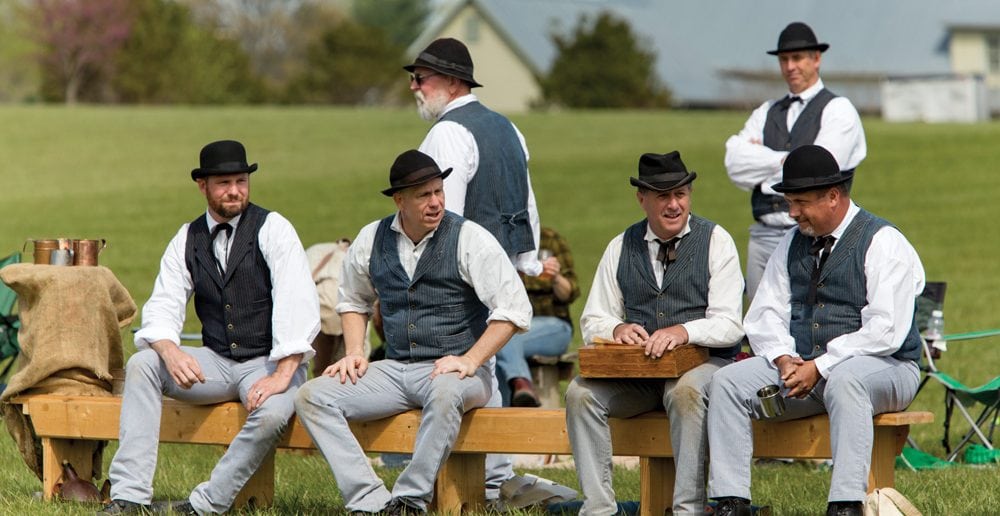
{"x": 235, "y": 310}
{"x": 434, "y": 314}
{"x": 778, "y": 137}
{"x": 497, "y": 196}
{"x": 683, "y": 296}
{"x": 841, "y": 293}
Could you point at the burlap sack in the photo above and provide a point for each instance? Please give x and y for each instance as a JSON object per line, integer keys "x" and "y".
{"x": 70, "y": 338}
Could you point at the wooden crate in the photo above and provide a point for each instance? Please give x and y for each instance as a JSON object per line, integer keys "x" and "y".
{"x": 608, "y": 360}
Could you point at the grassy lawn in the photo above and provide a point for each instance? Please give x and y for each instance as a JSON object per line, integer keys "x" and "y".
{"x": 123, "y": 174}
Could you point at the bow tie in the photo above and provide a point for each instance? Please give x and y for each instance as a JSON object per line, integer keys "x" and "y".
{"x": 788, "y": 101}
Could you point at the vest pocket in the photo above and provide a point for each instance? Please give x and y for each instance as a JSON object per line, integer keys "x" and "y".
{"x": 454, "y": 344}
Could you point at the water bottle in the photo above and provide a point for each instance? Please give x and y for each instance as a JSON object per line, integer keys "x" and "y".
{"x": 935, "y": 331}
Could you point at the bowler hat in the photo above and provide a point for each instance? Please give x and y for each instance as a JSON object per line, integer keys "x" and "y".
{"x": 662, "y": 172}
{"x": 412, "y": 168}
{"x": 797, "y": 36}
{"x": 221, "y": 158}
{"x": 810, "y": 167}
{"x": 448, "y": 56}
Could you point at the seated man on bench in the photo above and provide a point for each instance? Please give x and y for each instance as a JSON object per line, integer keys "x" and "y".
{"x": 247, "y": 271}
{"x": 450, "y": 298}
{"x": 832, "y": 324}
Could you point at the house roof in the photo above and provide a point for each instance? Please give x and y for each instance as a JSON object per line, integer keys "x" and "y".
{"x": 699, "y": 43}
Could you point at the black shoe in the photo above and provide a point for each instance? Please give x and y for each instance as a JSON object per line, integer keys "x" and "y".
{"x": 183, "y": 508}
{"x": 398, "y": 507}
{"x": 732, "y": 506}
{"x": 844, "y": 509}
{"x": 123, "y": 507}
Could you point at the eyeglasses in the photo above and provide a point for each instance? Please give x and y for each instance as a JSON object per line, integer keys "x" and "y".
{"x": 419, "y": 79}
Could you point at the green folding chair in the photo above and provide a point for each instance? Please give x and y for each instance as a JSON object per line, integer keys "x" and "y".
{"x": 9, "y": 325}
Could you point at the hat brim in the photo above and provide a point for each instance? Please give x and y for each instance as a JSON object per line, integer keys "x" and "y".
{"x": 389, "y": 191}
{"x": 797, "y": 48}
{"x": 807, "y": 184}
{"x": 451, "y": 73}
{"x": 665, "y": 185}
{"x": 199, "y": 173}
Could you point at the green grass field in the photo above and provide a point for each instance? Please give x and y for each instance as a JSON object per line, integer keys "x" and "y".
{"x": 123, "y": 174}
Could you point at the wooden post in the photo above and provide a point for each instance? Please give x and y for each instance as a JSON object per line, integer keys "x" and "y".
{"x": 54, "y": 451}
{"x": 656, "y": 485}
{"x": 459, "y": 486}
{"x": 885, "y": 447}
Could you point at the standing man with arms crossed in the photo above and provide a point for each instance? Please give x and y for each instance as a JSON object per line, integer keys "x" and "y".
{"x": 450, "y": 298}
{"x": 832, "y": 324}
{"x": 489, "y": 183}
{"x": 808, "y": 114}
{"x": 672, "y": 279}
{"x": 257, "y": 303}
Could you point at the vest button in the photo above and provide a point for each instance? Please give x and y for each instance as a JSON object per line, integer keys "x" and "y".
{"x": 233, "y": 346}
{"x": 413, "y": 344}
{"x": 819, "y": 285}
{"x": 661, "y": 314}
{"x": 411, "y": 289}
{"x": 660, "y": 295}
{"x": 816, "y": 326}
{"x": 230, "y": 326}
{"x": 816, "y": 349}
{"x": 229, "y": 307}
{"x": 821, "y": 305}
{"x": 413, "y": 326}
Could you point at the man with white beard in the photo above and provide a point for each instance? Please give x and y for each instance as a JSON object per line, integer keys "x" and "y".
{"x": 489, "y": 183}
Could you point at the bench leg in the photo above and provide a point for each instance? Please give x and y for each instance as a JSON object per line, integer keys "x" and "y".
{"x": 459, "y": 486}
{"x": 887, "y": 443}
{"x": 259, "y": 490}
{"x": 656, "y": 486}
{"x": 79, "y": 453}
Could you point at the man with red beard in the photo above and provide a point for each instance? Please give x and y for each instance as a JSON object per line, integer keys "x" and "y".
{"x": 255, "y": 298}
{"x": 672, "y": 279}
{"x": 489, "y": 183}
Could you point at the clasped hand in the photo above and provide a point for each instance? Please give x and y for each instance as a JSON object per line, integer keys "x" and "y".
{"x": 800, "y": 376}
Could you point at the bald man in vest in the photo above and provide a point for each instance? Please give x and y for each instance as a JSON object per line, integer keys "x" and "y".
{"x": 832, "y": 325}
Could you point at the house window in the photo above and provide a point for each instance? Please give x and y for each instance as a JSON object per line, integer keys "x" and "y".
{"x": 993, "y": 53}
{"x": 472, "y": 29}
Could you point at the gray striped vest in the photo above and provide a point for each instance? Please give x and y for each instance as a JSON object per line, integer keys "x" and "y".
{"x": 683, "y": 296}
{"x": 235, "y": 310}
{"x": 497, "y": 196}
{"x": 435, "y": 313}
{"x": 842, "y": 290}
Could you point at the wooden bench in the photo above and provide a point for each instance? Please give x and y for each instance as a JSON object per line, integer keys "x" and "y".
{"x": 61, "y": 421}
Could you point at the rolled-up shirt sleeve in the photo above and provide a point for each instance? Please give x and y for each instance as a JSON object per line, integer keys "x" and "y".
{"x": 163, "y": 314}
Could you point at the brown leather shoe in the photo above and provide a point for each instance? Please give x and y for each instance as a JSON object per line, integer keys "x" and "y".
{"x": 523, "y": 393}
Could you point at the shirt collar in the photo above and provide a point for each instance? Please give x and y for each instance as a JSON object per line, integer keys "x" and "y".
{"x": 809, "y": 92}
{"x": 397, "y": 226}
{"x": 459, "y": 102}
{"x": 852, "y": 211}
{"x": 235, "y": 221}
{"x": 651, "y": 237}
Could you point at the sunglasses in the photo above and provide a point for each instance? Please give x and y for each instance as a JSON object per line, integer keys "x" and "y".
{"x": 419, "y": 79}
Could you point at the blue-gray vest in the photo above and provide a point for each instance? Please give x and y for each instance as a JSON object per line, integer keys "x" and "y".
{"x": 497, "y": 196}
{"x": 435, "y": 313}
{"x": 778, "y": 137}
{"x": 683, "y": 296}
{"x": 842, "y": 290}
{"x": 235, "y": 309}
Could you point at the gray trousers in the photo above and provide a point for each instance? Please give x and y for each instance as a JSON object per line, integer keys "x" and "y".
{"x": 856, "y": 390}
{"x": 763, "y": 240}
{"x": 389, "y": 387}
{"x": 147, "y": 381}
{"x": 589, "y": 404}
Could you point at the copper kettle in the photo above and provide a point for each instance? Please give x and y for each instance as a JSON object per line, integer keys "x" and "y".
{"x": 85, "y": 252}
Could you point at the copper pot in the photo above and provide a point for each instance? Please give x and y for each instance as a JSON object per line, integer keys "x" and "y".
{"x": 43, "y": 249}
{"x": 85, "y": 252}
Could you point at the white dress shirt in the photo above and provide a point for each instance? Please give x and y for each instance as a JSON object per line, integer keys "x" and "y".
{"x": 749, "y": 164}
{"x": 721, "y": 327}
{"x": 482, "y": 264}
{"x": 295, "y": 316}
{"x": 452, "y": 145}
{"x": 894, "y": 277}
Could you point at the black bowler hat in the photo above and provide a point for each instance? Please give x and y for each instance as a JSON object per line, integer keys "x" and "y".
{"x": 810, "y": 167}
{"x": 797, "y": 36}
{"x": 412, "y": 168}
{"x": 448, "y": 56}
{"x": 221, "y": 158}
{"x": 662, "y": 172}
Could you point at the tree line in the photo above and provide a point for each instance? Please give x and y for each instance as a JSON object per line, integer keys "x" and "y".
{"x": 274, "y": 51}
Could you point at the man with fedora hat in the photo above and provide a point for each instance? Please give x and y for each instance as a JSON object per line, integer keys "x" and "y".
{"x": 450, "y": 298}
{"x": 832, "y": 325}
{"x": 489, "y": 184}
{"x": 255, "y": 298}
{"x": 808, "y": 114}
{"x": 672, "y": 279}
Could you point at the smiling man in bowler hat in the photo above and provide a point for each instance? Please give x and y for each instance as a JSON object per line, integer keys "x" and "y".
{"x": 255, "y": 298}
{"x": 807, "y": 114}
{"x": 450, "y": 298}
{"x": 832, "y": 324}
{"x": 672, "y": 279}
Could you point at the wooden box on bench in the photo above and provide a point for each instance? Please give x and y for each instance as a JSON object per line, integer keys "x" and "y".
{"x": 609, "y": 360}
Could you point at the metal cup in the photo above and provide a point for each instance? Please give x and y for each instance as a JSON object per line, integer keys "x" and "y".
{"x": 772, "y": 403}
{"x": 61, "y": 257}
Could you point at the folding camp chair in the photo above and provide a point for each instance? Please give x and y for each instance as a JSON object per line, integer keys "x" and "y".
{"x": 9, "y": 324}
{"x": 957, "y": 394}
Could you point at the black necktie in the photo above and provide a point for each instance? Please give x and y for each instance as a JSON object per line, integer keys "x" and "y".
{"x": 667, "y": 252}
{"x": 215, "y": 233}
{"x": 786, "y": 102}
{"x": 824, "y": 244}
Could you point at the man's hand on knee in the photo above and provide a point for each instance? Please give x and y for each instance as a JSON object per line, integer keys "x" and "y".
{"x": 351, "y": 366}
{"x": 183, "y": 368}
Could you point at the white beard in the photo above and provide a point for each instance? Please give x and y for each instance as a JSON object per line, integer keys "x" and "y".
{"x": 430, "y": 108}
